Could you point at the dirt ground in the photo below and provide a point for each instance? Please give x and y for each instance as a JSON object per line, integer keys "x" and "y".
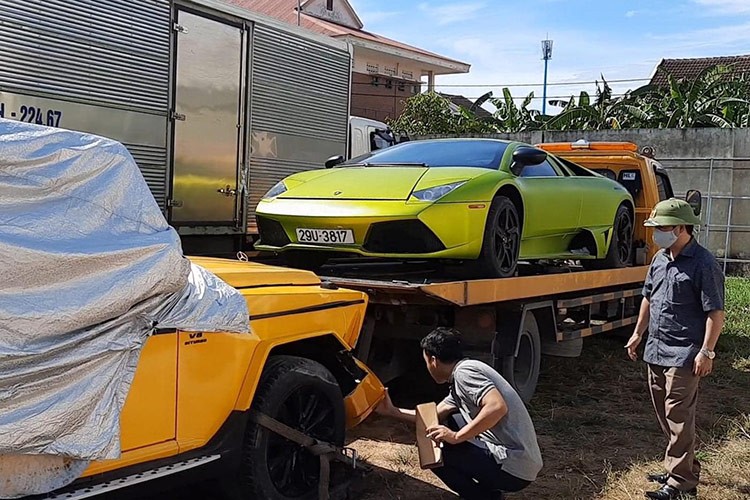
{"x": 595, "y": 423}
{"x": 596, "y": 427}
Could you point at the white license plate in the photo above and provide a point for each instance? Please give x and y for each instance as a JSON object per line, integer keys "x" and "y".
{"x": 325, "y": 236}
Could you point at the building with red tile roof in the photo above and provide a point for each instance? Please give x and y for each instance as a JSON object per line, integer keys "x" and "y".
{"x": 385, "y": 72}
{"x": 689, "y": 69}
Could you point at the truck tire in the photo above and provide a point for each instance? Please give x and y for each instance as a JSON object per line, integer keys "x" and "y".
{"x": 501, "y": 242}
{"x": 620, "y": 252}
{"x": 302, "y": 394}
{"x": 522, "y": 370}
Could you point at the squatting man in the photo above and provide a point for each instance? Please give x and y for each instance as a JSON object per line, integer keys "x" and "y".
{"x": 489, "y": 442}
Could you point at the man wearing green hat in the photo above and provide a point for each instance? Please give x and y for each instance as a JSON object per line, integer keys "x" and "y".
{"x": 683, "y": 311}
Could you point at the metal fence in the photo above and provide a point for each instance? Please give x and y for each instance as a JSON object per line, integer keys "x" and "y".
{"x": 728, "y": 227}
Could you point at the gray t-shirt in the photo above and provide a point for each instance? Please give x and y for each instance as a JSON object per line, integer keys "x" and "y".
{"x": 512, "y": 442}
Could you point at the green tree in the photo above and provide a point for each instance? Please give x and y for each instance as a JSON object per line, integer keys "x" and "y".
{"x": 710, "y": 100}
{"x": 717, "y": 97}
{"x": 430, "y": 113}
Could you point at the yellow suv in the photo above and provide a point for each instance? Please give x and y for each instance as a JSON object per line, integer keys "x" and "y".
{"x": 188, "y": 406}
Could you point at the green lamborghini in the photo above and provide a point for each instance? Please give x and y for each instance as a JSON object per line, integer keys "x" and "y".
{"x": 485, "y": 201}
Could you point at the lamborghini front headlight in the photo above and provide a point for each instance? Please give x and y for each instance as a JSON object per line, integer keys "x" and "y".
{"x": 278, "y": 189}
{"x": 437, "y": 192}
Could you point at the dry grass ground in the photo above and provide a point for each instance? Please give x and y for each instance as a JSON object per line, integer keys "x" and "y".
{"x": 596, "y": 426}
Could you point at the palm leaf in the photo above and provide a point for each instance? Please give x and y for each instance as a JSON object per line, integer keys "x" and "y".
{"x": 569, "y": 117}
{"x": 675, "y": 91}
{"x": 508, "y": 98}
{"x": 732, "y": 100}
{"x": 645, "y": 90}
{"x": 714, "y": 119}
{"x": 526, "y": 102}
{"x": 559, "y": 103}
{"x": 484, "y": 98}
{"x": 636, "y": 112}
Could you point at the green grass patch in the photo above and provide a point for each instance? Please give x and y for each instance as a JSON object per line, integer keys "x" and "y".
{"x": 734, "y": 343}
{"x": 738, "y": 307}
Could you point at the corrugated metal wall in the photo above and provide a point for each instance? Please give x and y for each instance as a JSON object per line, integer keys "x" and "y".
{"x": 152, "y": 162}
{"x": 300, "y": 96}
{"x": 112, "y": 53}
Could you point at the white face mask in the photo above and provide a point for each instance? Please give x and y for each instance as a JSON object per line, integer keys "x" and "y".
{"x": 664, "y": 239}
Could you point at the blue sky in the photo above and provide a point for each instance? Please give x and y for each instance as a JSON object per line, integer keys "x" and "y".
{"x": 622, "y": 39}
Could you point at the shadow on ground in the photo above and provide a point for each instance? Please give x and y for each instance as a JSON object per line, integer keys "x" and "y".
{"x": 596, "y": 426}
{"x": 382, "y": 483}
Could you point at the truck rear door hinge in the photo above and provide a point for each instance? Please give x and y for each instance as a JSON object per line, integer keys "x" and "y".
{"x": 174, "y": 115}
{"x": 179, "y": 28}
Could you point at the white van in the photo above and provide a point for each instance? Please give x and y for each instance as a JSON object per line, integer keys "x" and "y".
{"x": 367, "y": 135}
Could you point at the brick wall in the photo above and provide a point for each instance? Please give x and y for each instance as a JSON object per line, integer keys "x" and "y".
{"x": 381, "y": 99}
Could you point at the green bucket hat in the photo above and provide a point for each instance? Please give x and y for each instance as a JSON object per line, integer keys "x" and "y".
{"x": 672, "y": 212}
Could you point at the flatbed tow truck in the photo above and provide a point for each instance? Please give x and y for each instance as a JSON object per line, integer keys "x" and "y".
{"x": 509, "y": 323}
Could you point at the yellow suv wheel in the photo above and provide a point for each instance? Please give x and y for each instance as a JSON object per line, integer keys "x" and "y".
{"x": 302, "y": 394}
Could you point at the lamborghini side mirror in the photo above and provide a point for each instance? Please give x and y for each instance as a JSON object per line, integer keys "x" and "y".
{"x": 526, "y": 156}
{"x": 334, "y": 160}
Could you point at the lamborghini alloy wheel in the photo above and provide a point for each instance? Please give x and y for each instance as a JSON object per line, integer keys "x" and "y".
{"x": 502, "y": 240}
{"x": 620, "y": 252}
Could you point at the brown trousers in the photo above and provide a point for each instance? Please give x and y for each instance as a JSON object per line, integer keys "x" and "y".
{"x": 674, "y": 392}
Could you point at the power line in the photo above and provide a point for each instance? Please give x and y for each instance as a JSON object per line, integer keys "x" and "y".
{"x": 624, "y": 80}
{"x": 566, "y": 96}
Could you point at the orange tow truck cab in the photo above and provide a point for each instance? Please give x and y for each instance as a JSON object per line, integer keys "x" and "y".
{"x": 642, "y": 175}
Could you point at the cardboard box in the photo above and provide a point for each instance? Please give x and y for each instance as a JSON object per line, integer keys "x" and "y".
{"x": 430, "y": 452}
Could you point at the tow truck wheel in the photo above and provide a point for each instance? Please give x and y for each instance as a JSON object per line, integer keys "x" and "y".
{"x": 522, "y": 370}
{"x": 302, "y": 394}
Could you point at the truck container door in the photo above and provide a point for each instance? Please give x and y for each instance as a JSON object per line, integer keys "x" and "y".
{"x": 207, "y": 118}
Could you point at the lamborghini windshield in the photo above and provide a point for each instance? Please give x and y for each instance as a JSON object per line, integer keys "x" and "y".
{"x": 440, "y": 153}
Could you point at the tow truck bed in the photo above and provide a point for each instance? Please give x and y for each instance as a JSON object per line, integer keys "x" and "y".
{"x": 474, "y": 292}
{"x": 507, "y": 322}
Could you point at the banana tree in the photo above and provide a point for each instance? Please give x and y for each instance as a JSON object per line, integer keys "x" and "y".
{"x": 510, "y": 117}
{"x": 588, "y": 115}
{"x": 710, "y": 100}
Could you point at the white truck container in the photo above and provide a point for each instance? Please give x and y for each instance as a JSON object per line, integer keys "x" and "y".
{"x": 215, "y": 103}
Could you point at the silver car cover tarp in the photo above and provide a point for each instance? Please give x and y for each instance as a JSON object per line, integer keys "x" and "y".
{"x": 89, "y": 268}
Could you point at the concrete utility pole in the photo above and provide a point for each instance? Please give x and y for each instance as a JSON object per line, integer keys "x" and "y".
{"x": 299, "y": 11}
{"x": 546, "y": 55}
